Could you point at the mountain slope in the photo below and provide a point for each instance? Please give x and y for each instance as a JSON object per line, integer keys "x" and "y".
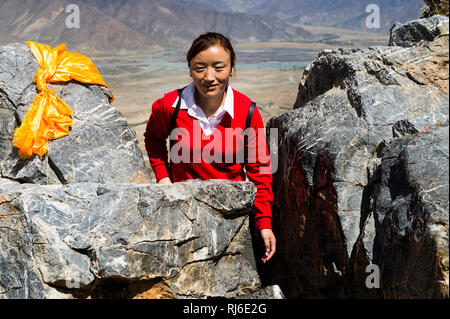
{"x": 45, "y": 21}
{"x": 349, "y": 14}
{"x": 388, "y": 16}
{"x": 179, "y": 22}
{"x": 135, "y": 24}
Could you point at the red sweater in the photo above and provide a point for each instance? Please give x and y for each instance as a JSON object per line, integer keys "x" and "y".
{"x": 193, "y": 165}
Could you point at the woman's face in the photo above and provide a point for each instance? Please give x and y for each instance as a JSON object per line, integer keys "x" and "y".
{"x": 210, "y": 70}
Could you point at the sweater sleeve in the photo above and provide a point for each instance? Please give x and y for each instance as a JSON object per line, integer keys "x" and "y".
{"x": 156, "y": 133}
{"x": 258, "y": 169}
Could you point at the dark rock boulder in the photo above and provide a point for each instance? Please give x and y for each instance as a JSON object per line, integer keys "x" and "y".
{"x": 362, "y": 176}
{"x": 410, "y": 207}
{"x": 419, "y": 32}
{"x": 433, "y": 7}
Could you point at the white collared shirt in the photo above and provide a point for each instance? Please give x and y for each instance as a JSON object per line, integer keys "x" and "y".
{"x": 207, "y": 124}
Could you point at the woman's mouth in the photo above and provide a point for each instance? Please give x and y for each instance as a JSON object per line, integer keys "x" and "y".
{"x": 211, "y": 87}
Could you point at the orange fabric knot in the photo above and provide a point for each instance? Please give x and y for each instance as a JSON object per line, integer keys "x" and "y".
{"x": 49, "y": 117}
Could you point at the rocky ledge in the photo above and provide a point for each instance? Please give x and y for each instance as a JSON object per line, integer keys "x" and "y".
{"x": 125, "y": 240}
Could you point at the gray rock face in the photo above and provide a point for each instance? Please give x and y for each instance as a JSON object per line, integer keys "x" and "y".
{"x": 100, "y": 147}
{"x": 363, "y": 175}
{"x": 410, "y": 208}
{"x": 418, "y": 32}
{"x": 268, "y": 292}
{"x": 75, "y": 240}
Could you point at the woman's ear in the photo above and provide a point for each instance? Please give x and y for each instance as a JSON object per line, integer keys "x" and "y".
{"x": 232, "y": 71}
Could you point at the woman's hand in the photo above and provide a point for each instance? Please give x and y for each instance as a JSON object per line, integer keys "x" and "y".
{"x": 270, "y": 243}
{"x": 165, "y": 180}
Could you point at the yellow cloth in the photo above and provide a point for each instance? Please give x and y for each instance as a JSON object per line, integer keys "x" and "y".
{"x": 49, "y": 117}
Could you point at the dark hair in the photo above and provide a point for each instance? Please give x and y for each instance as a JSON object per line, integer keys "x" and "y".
{"x": 208, "y": 40}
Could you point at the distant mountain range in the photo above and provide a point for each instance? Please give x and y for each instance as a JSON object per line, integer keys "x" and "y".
{"x": 348, "y": 14}
{"x": 45, "y": 21}
{"x": 135, "y": 24}
{"x": 107, "y": 25}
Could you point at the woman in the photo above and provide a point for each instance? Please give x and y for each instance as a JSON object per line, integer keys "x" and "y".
{"x": 209, "y": 110}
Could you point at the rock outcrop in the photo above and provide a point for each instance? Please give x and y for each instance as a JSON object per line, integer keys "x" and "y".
{"x": 100, "y": 148}
{"x": 421, "y": 32}
{"x": 84, "y": 221}
{"x": 433, "y": 7}
{"x": 362, "y": 183}
{"x": 125, "y": 240}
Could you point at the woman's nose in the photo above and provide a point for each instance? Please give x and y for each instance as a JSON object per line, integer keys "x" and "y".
{"x": 209, "y": 74}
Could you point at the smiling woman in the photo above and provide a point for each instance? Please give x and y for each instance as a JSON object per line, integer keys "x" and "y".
{"x": 211, "y": 64}
{"x": 210, "y": 71}
{"x": 205, "y": 111}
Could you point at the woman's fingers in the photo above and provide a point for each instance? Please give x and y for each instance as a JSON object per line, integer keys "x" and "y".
{"x": 272, "y": 247}
{"x": 165, "y": 180}
{"x": 269, "y": 242}
{"x": 267, "y": 245}
{"x": 271, "y": 250}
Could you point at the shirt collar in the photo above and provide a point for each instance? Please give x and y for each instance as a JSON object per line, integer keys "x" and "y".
{"x": 188, "y": 102}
